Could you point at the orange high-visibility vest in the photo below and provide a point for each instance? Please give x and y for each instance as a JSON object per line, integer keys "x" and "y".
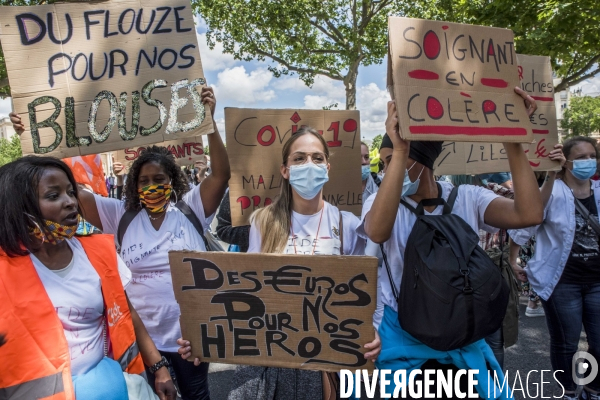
{"x": 36, "y": 363}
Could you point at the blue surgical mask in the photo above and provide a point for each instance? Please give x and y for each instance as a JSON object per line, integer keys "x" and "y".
{"x": 308, "y": 179}
{"x": 409, "y": 188}
{"x": 365, "y": 171}
{"x": 584, "y": 169}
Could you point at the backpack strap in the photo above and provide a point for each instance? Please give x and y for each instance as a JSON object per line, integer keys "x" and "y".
{"x": 452, "y": 197}
{"x": 389, "y": 271}
{"x": 341, "y": 227}
{"x": 593, "y": 222}
{"x": 124, "y": 223}
{"x": 191, "y": 216}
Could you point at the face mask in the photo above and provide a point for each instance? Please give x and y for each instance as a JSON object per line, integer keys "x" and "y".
{"x": 365, "y": 171}
{"x": 308, "y": 179}
{"x": 409, "y": 188}
{"x": 57, "y": 234}
{"x": 584, "y": 169}
{"x": 155, "y": 197}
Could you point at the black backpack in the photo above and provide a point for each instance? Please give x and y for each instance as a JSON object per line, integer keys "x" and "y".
{"x": 452, "y": 294}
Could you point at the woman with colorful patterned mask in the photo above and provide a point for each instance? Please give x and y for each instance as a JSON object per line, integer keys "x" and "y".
{"x": 56, "y": 292}
{"x": 155, "y": 226}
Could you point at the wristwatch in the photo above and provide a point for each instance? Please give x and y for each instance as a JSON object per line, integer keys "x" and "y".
{"x": 162, "y": 363}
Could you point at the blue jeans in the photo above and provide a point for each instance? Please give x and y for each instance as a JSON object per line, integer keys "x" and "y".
{"x": 192, "y": 381}
{"x": 569, "y": 307}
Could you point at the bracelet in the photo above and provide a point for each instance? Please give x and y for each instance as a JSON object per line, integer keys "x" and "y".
{"x": 162, "y": 363}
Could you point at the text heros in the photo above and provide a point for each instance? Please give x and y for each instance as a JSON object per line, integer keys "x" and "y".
{"x": 91, "y": 77}
{"x": 455, "y": 82}
{"x": 255, "y": 138}
{"x": 292, "y": 311}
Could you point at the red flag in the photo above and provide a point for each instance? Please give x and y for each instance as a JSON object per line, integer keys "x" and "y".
{"x": 88, "y": 171}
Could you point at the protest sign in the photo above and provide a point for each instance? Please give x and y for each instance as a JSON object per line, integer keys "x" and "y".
{"x": 535, "y": 73}
{"x": 91, "y": 77}
{"x": 185, "y": 151}
{"x": 255, "y": 139}
{"x": 455, "y": 82}
{"x": 292, "y": 311}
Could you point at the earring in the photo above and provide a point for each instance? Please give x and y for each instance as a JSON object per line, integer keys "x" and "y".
{"x": 175, "y": 196}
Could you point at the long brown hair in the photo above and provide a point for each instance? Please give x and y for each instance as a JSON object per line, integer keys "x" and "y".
{"x": 274, "y": 220}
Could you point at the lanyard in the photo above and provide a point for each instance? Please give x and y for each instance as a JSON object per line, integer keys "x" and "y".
{"x": 316, "y": 237}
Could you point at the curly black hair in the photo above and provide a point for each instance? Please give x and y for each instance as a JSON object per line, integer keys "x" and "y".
{"x": 20, "y": 209}
{"x": 165, "y": 158}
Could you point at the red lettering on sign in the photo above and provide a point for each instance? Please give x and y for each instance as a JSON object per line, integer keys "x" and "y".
{"x": 497, "y": 83}
{"x": 269, "y": 141}
{"x": 335, "y": 127}
{"x": 423, "y": 74}
{"x": 467, "y": 130}
{"x": 434, "y": 108}
{"x": 431, "y": 45}
{"x": 350, "y": 125}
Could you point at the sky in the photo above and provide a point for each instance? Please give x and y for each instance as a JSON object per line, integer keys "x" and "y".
{"x": 251, "y": 85}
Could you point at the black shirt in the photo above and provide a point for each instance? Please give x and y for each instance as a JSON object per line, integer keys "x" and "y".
{"x": 583, "y": 265}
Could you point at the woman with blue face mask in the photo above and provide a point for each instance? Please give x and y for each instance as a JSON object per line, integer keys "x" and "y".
{"x": 565, "y": 268}
{"x": 298, "y": 221}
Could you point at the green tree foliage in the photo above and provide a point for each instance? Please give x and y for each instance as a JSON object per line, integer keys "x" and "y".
{"x": 10, "y": 150}
{"x": 376, "y": 142}
{"x": 582, "y": 117}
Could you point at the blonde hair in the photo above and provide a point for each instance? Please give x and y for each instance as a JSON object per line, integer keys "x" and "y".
{"x": 274, "y": 221}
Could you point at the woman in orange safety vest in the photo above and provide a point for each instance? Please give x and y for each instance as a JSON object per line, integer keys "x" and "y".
{"x": 68, "y": 328}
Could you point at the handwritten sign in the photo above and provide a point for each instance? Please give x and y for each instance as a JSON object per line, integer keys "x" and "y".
{"x": 292, "y": 311}
{"x": 91, "y": 77}
{"x": 185, "y": 151}
{"x": 455, "y": 82}
{"x": 255, "y": 139}
{"x": 535, "y": 73}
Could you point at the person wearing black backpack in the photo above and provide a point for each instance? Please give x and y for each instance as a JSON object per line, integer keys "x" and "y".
{"x": 443, "y": 264}
{"x": 564, "y": 270}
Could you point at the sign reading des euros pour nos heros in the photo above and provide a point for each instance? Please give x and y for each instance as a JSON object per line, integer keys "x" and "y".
{"x": 255, "y": 139}
{"x": 291, "y": 311}
{"x": 90, "y": 77}
{"x": 455, "y": 82}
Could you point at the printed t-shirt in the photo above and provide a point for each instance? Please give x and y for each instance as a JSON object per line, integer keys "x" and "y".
{"x": 471, "y": 203}
{"x": 77, "y": 299}
{"x": 305, "y": 227}
{"x": 145, "y": 251}
{"x": 583, "y": 264}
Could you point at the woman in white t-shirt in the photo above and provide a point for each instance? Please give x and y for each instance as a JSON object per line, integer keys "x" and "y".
{"x": 154, "y": 184}
{"x": 44, "y": 269}
{"x": 299, "y": 221}
{"x": 409, "y": 176}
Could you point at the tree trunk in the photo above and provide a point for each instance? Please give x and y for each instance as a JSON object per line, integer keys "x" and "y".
{"x": 350, "y": 83}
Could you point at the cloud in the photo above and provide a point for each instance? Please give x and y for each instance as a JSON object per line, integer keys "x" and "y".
{"x": 5, "y": 107}
{"x": 215, "y": 59}
{"x": 372, "y": 103}
{"x": 236, "y": 85}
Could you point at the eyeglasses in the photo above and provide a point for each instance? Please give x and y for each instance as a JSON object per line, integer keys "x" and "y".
{"x": 299, "y": 158}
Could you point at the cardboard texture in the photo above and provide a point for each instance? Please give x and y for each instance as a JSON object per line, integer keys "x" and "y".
{"x": 455, "y": 82}
{"x": 82, "y": 74}
{"x": 291, "y": 311}
{"x": 535, "y": 73}
{"x": 255, "y": 139}
{"x": 185, "y": 151}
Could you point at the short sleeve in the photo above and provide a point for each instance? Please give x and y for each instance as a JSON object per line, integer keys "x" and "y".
{"x": 254, "y": 240}
{"x": 481, "y": 198}
{"x": 124, "y": 272}
{"x": 353, "y": 244}
{"x": 194, "y": 200}
{"x": 110, "y": 212}
{"x": 360, "y": 229}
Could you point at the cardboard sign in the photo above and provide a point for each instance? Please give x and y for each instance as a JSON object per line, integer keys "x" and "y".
{"x": 88, "y": 170}
{"x": 255, "y": 139}
{"x": 457, "y": 158}
{"x": 185, "y": 151}
{"x": 292, "y": 311}
{"x": 455, "y": 82}
{"x": 91, "y": 77}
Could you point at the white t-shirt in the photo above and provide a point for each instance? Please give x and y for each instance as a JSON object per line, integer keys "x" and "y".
{"x": 77, "y": 299}
{"x": 145, "y": 251}
{"x": 471, "y": 203}
{"x": 305, "y": 228}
